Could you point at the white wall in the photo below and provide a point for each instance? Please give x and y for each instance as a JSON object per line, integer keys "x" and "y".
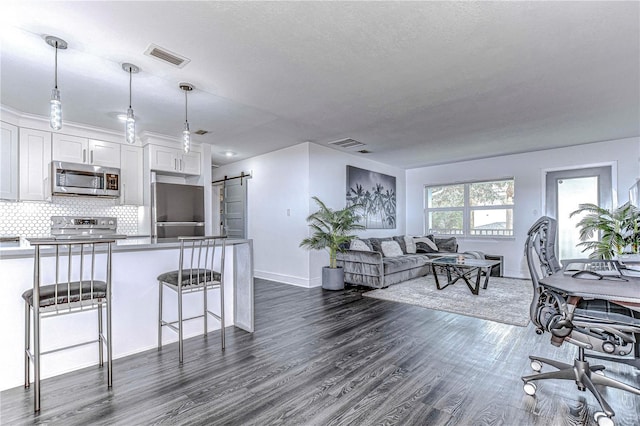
{"x": 279, "y": 201}
{"x": 527, "y": 169}
{"x": 328, "y": 181}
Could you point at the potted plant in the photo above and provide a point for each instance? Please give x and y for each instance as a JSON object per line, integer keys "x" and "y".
{"x": 330, "y": 230}
{"x": 618, "y": 229}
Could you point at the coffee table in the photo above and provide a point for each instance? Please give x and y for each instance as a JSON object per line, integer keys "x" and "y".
{"x": 464, "y": 270}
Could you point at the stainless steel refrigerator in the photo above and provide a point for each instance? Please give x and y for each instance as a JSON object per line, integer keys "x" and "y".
{"x": 176, "y": 210}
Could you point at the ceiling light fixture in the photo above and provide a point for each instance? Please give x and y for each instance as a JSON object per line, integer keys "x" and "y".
{"x": 186, "y": 134}
{"x": 130, "y": 126}
{"x": 55, "y": 113}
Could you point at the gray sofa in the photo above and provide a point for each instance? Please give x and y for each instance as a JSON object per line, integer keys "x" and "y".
{"x": 372, "y": 268}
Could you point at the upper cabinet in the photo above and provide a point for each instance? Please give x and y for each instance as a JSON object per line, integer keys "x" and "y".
{"x": 74, "y": 149}
{"x": 35, "y": 157}
{"x": 174, "y": 161}
{"x": 131, "y": 172}
{"x": 9, "y": 162}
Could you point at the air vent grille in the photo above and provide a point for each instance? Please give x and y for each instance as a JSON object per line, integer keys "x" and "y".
{"x": 347, "y": 143}
{"x": 201, "y": 132}
{"x": 167, "y": 56}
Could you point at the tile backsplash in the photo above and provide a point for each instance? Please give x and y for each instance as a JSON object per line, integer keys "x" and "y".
{"x": 31, "y": 219}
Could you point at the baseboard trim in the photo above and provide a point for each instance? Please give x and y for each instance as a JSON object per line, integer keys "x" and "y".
{"x": 289, "y": 279}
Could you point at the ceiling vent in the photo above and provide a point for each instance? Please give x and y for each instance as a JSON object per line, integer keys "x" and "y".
{"x": 347, "y": 143}
{"x": 165, "y": 55}
{"x": 201, "y": 132}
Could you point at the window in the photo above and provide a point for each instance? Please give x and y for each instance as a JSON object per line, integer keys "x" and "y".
{"x": 473, "y": 209}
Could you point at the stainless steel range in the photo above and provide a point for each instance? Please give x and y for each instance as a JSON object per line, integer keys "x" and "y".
{"x": 74, "y": 227}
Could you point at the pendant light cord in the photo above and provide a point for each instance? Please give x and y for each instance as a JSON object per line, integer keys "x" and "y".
{"x": 186, "y": 120}
{"x": 130, "y": 77}
{"x": 56, "y": 71}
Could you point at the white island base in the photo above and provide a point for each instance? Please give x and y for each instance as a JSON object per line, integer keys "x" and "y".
{"x": 135, "y": 266}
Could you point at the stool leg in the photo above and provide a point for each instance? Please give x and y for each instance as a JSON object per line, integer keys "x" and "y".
{"x": 222, "y": 312}
{"x": 100, "y": 341}
{"x": 27, "y": 344}
{"x": 36, "y": 359}
{"x": 109, "y": 345}
{"x": 160, "y": 315}
{"x": 204, "y": 289}
{"x": 180, "y": 323}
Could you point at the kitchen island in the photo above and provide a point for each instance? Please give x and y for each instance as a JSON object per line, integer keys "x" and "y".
{"x": 135, "y": 265}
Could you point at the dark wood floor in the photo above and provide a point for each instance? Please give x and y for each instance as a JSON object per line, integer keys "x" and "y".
{"x": 330, "y": 358}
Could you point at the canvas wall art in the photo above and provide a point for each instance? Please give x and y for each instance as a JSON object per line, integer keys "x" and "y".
{"x": 375, "y": 194}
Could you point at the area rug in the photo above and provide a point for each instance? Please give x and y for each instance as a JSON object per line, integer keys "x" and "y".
{"x": 506, "y": 300}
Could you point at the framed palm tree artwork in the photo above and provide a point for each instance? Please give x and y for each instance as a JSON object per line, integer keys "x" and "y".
{"x": 375, "y": 194}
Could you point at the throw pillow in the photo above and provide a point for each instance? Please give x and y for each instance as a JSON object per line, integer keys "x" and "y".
{"x": 359, "y": 245}
{"x": 376, "y": 243}
{"x": 400, "y": 240}
{"x": 447, "y": 244}
{"x": 391, "y": 249}
{"x": 410, "y": 244}
{"x": 424, "y": 248}
{"x": 426, "y": 242}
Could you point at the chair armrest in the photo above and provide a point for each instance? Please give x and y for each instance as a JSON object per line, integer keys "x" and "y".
{"x": 362, "y": 267}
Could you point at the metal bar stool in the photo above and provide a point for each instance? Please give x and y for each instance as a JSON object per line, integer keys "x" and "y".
{"x": 195, "y": 273}
{"x": 80, "y": 285}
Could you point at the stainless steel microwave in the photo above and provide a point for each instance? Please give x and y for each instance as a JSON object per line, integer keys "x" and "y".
{"x": 84, "y": 179}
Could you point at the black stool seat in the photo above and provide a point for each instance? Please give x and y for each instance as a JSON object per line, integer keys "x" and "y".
{"x": 67, "y": 293}
{"x": 190, "y": 277}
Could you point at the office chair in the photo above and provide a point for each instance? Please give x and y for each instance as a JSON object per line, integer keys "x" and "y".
{"x": 195, "y": 273}
{"x": 596, "y": 325}
{"x": 81, "y": 282}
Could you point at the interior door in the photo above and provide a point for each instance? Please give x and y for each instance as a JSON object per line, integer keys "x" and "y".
{"x": 233, "y": 208}
{"x": 565, "y": 191}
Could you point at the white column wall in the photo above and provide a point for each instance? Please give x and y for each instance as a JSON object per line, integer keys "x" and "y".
{"x": 277, "y": 208}
{"x": 527, "y": 169}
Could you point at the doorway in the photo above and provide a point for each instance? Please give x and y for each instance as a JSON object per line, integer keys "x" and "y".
{"x": 565, "y": 191}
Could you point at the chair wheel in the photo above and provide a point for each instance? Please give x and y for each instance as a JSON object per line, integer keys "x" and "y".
{"x": 602, "y": 419}
{"x": 536, "y": 365}
{"x": 530, "y": 389}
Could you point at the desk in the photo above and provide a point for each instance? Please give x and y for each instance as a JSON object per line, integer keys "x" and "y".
{"x": 612, "y": 290}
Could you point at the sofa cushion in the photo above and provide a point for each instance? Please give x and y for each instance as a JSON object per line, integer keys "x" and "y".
{"x": 425, "y": 245}
{"x": 409, "y": 244}
{"x": 403, "y": 263}
{"x": 359, "y": 245}
{"x": 400, "y": 240}
{"x": 391, "y": 249}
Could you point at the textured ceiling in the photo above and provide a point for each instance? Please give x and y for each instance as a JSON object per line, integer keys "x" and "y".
{"x": 419, "y": 83}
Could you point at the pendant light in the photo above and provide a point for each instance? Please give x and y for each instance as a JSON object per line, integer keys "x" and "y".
{"x": 186, "y": 134}
{"x": 55, "y": 114}
{"x": 130, "y": 123}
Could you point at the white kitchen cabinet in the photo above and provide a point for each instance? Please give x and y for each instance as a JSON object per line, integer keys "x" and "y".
{"x": 131, "y": 166}
{"x": 174, "y": 161}
{"x": 9, "y": 162}
{"x": 74, "y": 149}
{"x": 35, "y": 160}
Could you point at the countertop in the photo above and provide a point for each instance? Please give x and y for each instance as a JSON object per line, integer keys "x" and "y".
{"x": 23, "y": 249}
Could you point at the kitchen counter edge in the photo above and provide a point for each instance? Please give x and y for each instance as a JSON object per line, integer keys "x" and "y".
{"x": 125, "y": 245}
